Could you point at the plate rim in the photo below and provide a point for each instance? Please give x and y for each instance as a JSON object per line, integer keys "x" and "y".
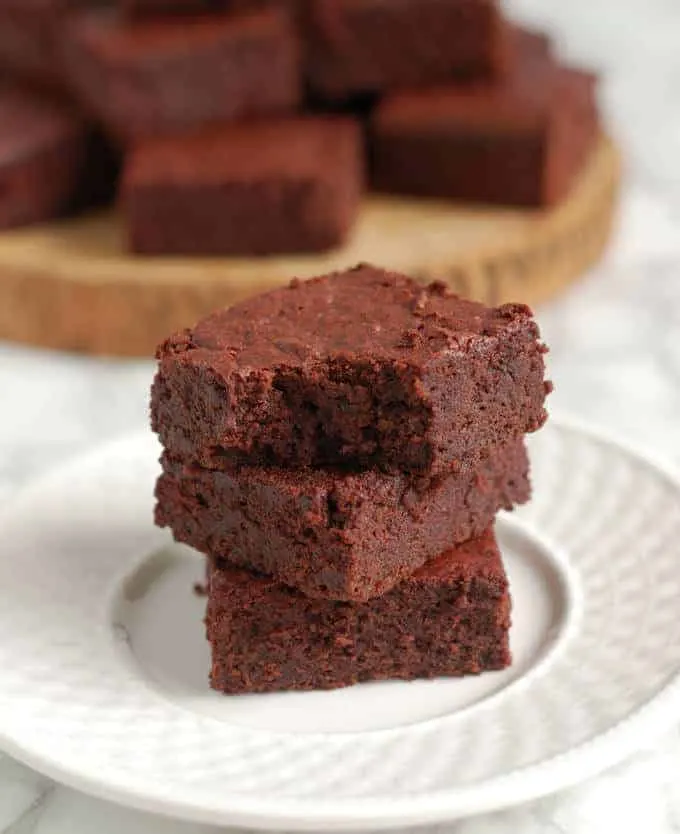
{"x": 567, "y": 769}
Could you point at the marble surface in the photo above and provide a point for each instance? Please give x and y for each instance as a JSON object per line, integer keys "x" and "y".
{"x": 615, "y": 359}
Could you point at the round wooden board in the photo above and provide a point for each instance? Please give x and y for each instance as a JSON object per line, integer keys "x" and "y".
{"x": 71, "y": 285}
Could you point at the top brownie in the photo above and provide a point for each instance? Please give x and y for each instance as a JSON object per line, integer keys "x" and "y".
{"x": 358, "y": 369}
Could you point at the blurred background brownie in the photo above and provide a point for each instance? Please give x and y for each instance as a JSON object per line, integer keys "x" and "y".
{"x": 45, "y": 151}
{"x": 30, "y": 35}
{"x": 518, "y": 140}
{"x": 259, "y": 188}
{"x": 330, "y": 534}
{"x": 161, "y": 76}
{"x": 576, "y": 127}
{"x": 450, "y": 618}
{"x": 457, "y": 102}
{"x": 370, "y": 46}
{"x": 142, "y": 8}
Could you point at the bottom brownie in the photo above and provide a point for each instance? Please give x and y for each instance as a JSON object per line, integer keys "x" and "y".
{"x": 450, "y": 618}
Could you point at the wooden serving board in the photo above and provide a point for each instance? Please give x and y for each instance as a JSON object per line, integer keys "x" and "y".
{"x": 72, "y": 286}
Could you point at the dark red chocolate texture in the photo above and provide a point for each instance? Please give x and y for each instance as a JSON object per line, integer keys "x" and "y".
{"x": 30, "y": 33}
{"x": 348, "y": 537}
{"x": 252, "y": 189}
{"x": 369, "y": 46}
{"x": 450, "y": 618}
{"x": 361, "y": 368}
{"x": 140, "y": 8}
{"x": 519, "y": 140}
{"x": 44, "y": 150}
{"x": 168, "y": 75}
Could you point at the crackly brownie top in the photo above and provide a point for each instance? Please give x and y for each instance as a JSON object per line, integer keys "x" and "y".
{"x": 364, "y": 313}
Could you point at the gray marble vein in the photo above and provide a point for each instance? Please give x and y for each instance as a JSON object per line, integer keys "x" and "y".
{"x": 28, "y": 821}
{"x": 22, "y": 795}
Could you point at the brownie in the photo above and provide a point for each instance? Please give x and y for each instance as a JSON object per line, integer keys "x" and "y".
{"x": 153, "y": 77}
{"x": 44, "y": 150}
{"x": 138, "y": 8}
{"x": 370, "y": 46}
{"x": 450, "y": 618}
{"x": 292, "y": 6}
{"x": 519, "y": 140}
{"x": 575, "y": 130}
{"x": 266, "y": 187}
{"x": 30, "y": 31}
{"x": 363, "y": 368}
{"x": 330, "y": 534}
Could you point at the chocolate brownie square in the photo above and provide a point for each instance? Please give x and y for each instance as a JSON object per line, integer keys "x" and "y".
{"x": 370, "y": 46}
{"x": 45, "y": 148}
{"x": 250, "y": 189}
{"x": 330, "y": 534}
{"x": 30, "y": 31}
{"x": 575, "y": 130}
{"x": 139, "y": 8}
{"x": 519, "y": 140}
{"x": 451, "y": 618}
{"x": 363, "y": 368}
{"x": 152, "y": 77}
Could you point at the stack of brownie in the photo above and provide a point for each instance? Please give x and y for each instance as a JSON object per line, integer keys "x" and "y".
{"x": 339, "y": 450}
{"x": 253, "y": 127}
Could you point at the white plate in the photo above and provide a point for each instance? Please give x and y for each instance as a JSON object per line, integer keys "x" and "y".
{"x": 103, "y": 664}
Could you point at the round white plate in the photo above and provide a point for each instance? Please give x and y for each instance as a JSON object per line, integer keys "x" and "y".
{"x": 103, "y": 666}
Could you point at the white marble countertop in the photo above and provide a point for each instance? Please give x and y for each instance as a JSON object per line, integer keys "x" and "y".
{"x": 615, "y": 359}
